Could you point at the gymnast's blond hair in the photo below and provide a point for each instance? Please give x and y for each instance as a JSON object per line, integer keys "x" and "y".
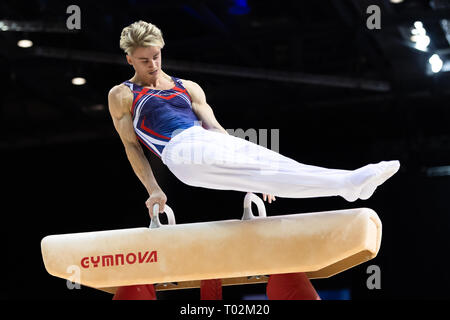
{"x": 140, "y": 34}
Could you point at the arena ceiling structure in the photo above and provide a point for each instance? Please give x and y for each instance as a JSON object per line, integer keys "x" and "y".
{"x": 343, "y": 82}
{"x": 321, "y": 52}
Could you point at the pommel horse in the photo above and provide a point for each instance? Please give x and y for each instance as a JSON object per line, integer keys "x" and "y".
{"x": 179, "y": 256}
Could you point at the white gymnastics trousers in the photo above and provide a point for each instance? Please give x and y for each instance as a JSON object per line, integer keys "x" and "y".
{"x": 209, "y": 159}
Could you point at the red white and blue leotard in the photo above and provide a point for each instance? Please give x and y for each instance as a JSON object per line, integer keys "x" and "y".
{"x": 158, "y": 115}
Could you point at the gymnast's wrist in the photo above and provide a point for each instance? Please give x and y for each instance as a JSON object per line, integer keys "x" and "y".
{"x": 153, "y": 189}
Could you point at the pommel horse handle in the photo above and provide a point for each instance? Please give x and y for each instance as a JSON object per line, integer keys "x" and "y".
{"x": 248, "y": 214}
{"x": 155, "y": 223}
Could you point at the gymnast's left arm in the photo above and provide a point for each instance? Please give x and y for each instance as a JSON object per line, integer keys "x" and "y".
{"x": 205, "y": 113}
{"x": 201, "y": 108}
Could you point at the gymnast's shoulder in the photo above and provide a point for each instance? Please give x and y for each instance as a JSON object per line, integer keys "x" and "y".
{"x": 193, "y": 88}
{"x": 120, "y": 91}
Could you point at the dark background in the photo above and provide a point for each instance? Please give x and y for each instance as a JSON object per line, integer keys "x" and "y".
{"x": 341, "y": 95}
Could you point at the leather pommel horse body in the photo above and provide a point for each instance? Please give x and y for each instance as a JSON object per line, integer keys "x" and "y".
{"x": 320, "y": 244}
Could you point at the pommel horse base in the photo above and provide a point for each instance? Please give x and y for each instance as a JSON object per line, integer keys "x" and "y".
{"x": 246, "y": 251}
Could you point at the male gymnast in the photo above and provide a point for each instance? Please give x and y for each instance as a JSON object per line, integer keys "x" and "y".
{"x": 170, "y": 117}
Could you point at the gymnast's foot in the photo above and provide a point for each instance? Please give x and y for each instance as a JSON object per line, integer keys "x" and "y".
{"x": 366, "y": 179}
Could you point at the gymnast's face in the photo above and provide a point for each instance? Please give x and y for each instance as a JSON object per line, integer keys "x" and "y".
{"x": 146, "y": 61}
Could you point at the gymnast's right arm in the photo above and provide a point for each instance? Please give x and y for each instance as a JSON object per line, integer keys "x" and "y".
{"x": 120, "y": 100}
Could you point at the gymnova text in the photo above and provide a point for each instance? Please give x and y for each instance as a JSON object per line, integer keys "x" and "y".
{"x": 119, "y": 259}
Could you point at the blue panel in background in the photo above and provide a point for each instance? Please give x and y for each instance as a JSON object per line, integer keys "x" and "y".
{"x": 239, "y": 7}
{"x": 254, "y": 297}
{"x": 337, "y": 294}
